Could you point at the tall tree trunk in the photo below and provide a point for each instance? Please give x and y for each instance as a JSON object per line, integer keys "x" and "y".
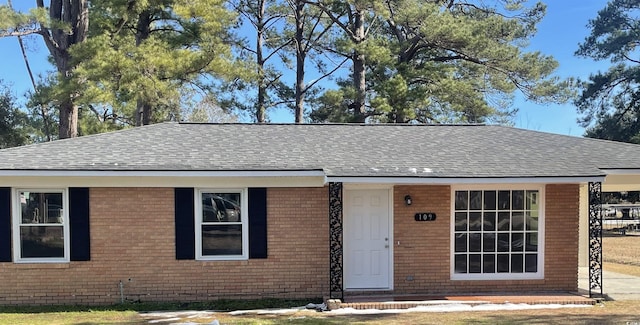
{"x": 359, "y": 76}
{"x": 68, "y": 127}
{"x": 143, "y": 112}
{"x": 262, "y": 86}
{"x": 300, "y": 58}
{"x": 143, "y": 31}
{"x": 75, "y": 13}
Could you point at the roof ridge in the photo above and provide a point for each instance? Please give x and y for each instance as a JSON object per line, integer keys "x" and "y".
{"x": 333, "y": 124}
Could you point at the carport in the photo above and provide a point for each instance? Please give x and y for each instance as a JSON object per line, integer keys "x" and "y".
{"x": 591, "y": 221}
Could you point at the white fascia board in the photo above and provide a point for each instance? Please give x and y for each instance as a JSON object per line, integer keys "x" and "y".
{"x": 163, "y": 173}
{"x": 172, "y": 179}
{"x": 619, "y": 171}
{"x": 477, "y": 180}
{"x": 205, "y": 182}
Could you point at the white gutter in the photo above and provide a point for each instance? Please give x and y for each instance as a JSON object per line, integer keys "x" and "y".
{"x": 470, "y": 180}
{"x": 620, "y": 171}
{"x": 160, "y": 173}
{"x": 310, "y": 173}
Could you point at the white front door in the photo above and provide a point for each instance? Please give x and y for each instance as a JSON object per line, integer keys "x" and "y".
{"x": 367, "y": 252}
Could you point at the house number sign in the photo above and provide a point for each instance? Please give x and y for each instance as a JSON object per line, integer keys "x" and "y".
{"x": 425, "y": 216}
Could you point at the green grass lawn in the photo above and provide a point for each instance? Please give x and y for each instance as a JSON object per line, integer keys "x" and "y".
{"x": 73, "y": 317}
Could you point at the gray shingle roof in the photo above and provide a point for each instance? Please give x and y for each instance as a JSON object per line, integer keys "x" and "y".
{"x": 338, "y": 149}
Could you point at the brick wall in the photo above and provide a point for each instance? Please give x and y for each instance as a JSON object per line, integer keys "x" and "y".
{"x": 422, "y": 249}
{"x": 561, "y": 225}
{"x": 132, "y": 240}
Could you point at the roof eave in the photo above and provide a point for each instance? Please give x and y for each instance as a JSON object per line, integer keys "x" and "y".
{"x": 467, "y": 180}
{"x": 163, "y": 173}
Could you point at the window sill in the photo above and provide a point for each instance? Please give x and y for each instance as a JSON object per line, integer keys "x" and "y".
{"x": 40, "y": 265}
{"x": 222, "y": 259}
{"x": 503, "y": 277}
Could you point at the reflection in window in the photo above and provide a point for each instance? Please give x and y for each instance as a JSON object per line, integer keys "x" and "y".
{"x": 496, "y": 231}
{"x": 221, "y": 224}
{"x": 41, "y": 225}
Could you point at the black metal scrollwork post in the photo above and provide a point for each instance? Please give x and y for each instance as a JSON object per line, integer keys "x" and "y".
{"x": 336, "y": 290}
{"x": 595, "y": 237}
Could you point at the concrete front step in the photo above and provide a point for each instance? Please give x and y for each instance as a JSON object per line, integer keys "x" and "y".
{"x": 411, "y": 301}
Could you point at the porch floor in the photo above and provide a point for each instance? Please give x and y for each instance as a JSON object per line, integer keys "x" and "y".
{"x": 386, "y": 301}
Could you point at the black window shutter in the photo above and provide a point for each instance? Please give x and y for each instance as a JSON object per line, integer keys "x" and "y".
{"x": 185, "y": 224}
{"x": 5, "y": 224}
{"x": 257, "y": 222}
{"x": 79, "y": 224}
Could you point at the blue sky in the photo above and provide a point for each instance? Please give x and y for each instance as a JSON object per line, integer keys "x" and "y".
{"x": 559, "y": 34}
{"x": 563, "y": 28}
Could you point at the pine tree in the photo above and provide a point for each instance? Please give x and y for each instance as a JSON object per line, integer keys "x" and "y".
{"x": 610, "y": 100}
{"x": 143, "y": 57}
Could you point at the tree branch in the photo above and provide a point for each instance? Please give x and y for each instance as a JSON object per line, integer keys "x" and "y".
{"x": 19, "y": 33}
{"x": 630, "y": 59}
{"x": 333, "y": 18}
{"x": 312, "y": 83}
{"x": 277, "y": 49}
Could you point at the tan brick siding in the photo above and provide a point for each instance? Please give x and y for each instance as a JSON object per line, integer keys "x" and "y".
{"x": 561, "y": 226}
{"x": 423, "y": 249}
{"x": 423, "y": 256}
{"x": 132, "y": 240}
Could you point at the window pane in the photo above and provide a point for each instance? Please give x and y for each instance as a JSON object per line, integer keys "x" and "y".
{"x": 517, "y": 242}
{"x": 531, "y": 263}
{"x": 517, "y": 221}
{"x": 503, "y": 221}
{"x": 475, "y": 242}
{"x": 489, "y": 263}
{"x": 517, "y": 263}
{"x": 503, "y": 242}
{"x": 37, "y": 208}
{"x": 221, "y": 207}
{"x": 222, "y": 240}
{"x": 461, "y": 221}
{"x": 532, "y": 220}
{"x": 462, "y": 200}
{"x": 532, "y": 242}
{"x": 503, "y": 263}
{"x": 461, "y": 263}
{"x": 532, "y": 200}
{"x": 489, "y": 200}
{"x": 504, "y": 198}
{"x": 475, "y": 263}
{"x": 489, "y": 221}
{"x": 41, "y": 241}
{"x": 461, "y": 243}
{"x": 475, "y": 221}
{"x": 517, "y": 200}
{"x": 475, "y": 200}
{"x": 489, "y": 242}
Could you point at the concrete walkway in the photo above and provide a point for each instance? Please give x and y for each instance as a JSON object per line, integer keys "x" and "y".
{"x": 616, "y": 286}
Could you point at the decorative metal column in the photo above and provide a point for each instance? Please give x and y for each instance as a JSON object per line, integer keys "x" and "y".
{"x": 595, "y": 237}
{"x": 336, "y": 290}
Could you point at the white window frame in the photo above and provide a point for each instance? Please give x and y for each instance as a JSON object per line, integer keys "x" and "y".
{"x": 244, "y": 221}
{"x": 541, "y": 233}
{"x": 17, "y": 223}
